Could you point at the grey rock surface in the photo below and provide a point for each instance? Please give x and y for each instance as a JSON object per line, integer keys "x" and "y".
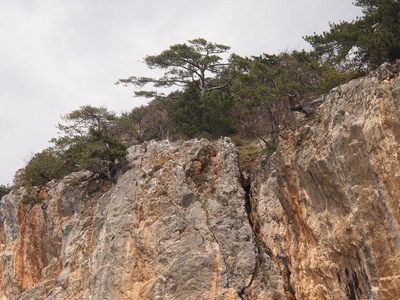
{"x": 173, "y": 227}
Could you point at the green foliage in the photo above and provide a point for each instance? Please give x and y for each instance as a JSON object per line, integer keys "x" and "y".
{"x": 44, "y": 167}
{"x": 268, "y": 85}
{"x": 218, "y": 119}
{"x": 332, "y": 77}
{"x": 87, "y": 117}
{"x": 183, "y": 114}
{"x": 193, "y": 115}
{"x": 259, "y": 244}
{"x": 4, "y": 190}
{"x": 261, "y": 258}
{"x": 201, "y": 107}
{"x": 248, "y": 155}
{"x": 88, "y": 142}
{"x": 97, "y": 152}
{"x": 269, "y": 78}
{"x": 365, "y": 43}
{"x": 186, "y": 66}
{"x": 218, "y": 98}
{"x": 199, "y": 178}
{"x": 223, "y": 98}
{"x": 27, "y": 199}
{"x": 187, "y": 112}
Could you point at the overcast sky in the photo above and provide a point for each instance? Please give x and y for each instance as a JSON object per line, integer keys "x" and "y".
{"x": 58, "y": 55}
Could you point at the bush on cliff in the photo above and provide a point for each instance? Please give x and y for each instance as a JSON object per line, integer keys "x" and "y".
{"x": 99, "y": 153}
{"x": 88, "y": 143}
{"x": 44, "y": 167}
{"x": 4, "y": 190}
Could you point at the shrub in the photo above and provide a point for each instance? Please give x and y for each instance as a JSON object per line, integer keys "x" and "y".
{"x": 97, "y": 152}
{"x": 27, "y": 199}
{"x": 44, "y": 167}
{"x": 248, "y": 155}
{"x": 88, "y": 142}
{"x": 4, "y": 190}
{"x": 199, "y": 178}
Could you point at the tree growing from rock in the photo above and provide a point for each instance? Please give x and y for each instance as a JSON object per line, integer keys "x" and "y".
{"x": 43, "y": 167}
{"x": 88, "y": 143}
{"x": 202, "y": 104}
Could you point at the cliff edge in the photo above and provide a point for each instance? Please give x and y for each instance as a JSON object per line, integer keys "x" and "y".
{"x": 319, "y": 220}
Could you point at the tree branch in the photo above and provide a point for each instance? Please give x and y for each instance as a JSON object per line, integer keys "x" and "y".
{"x": 220, "y": 87}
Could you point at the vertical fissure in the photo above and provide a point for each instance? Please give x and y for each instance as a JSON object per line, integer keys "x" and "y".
{"x": 265, "y": 258}
{"x": 246, "y": 184}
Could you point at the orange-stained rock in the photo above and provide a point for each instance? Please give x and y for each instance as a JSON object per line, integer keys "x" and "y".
{"x": 157, "y": 233}
{"x": 327, "y": 204}
{"x": 321, "y": 218}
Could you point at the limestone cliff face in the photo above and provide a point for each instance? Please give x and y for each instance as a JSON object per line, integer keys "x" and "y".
{"x": 173, "y": 227}
{"x": 320, "y": 220}
{"x": 327, "y": 204}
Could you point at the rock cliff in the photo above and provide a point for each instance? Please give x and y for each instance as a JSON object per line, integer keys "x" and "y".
{"x": 173, "y": 227}
{"x": 319, "y": 220}
{"x": 327, "y": 203}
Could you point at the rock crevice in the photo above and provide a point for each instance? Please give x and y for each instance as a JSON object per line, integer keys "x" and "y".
{"x": 320, "y": 218}
{"x": 174, "y": 226}
{"x": 327, "y": 201}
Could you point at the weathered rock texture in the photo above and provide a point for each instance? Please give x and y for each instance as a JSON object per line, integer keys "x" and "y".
{"x": 320, "y": 220}
{"x": 327, "y": 203}
{"x": 173, "y": 227}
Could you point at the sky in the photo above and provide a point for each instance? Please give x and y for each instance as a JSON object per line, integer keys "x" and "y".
{"x": 59, "y": 55}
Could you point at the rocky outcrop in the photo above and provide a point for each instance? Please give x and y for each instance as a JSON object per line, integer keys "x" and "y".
{"x": 320, "y": 219}
{"x": 173, "y": 227}
{"x": 327, "y": 203}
